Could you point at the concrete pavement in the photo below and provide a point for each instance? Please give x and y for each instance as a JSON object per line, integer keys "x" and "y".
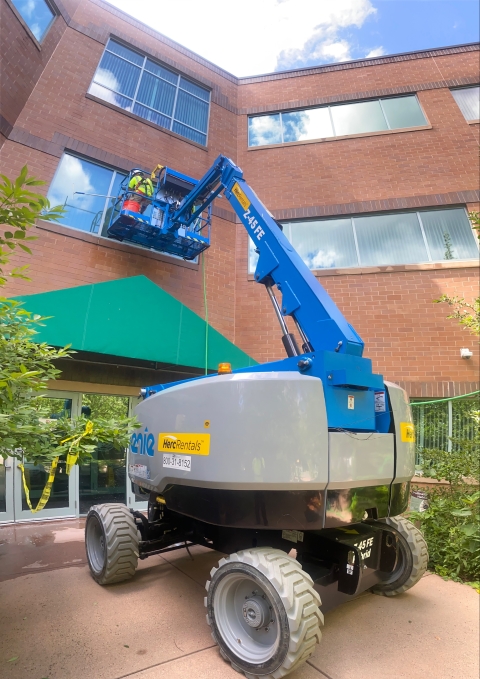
{"x": 57, "y": 623}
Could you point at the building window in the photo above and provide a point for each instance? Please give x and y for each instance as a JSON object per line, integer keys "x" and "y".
{"x": 384, "y": 239}
{"x": 76, "y": 176}
{"x": 468, "y": 100}
{"x": 37, "y": 14}
{"x": 76, "y": 179}
{"x": 149, "y": 90}
{"x": 335, "y": 121}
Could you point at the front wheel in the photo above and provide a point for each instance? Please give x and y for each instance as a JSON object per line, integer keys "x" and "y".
{"x": 412, "y": 558}
{"x": 111, "y": 542}
{"x": 264, "y": 612}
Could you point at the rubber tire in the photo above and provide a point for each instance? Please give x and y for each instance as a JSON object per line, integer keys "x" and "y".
{"x": 121, "y": 538}
{"x": 300, "y": 601}
{"x": 414, "y": 541}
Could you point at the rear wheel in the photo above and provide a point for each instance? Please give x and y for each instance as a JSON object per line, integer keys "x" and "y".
{"x": 264, "y": 612}
{"x": 412, "y": 557}
{"x": 111, "y": 542}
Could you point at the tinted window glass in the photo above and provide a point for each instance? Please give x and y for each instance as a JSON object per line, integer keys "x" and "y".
{"x": 468, "y": 100}
{"x": 449, "y": 234}
{"x": 37, "y": 15}
{"x": 325, "y": 245}
{"x": 264, "y": 130}
{"x": 156, "y": 94}
{"x": 314, "y": 123}
{"x": 161, "y": 72}
{"x": 117, "y": 74}
{"x": 390, "y": 239}
{"x": 382, "y": 239}
{"x": 353, "y": 118}
{"x": 403, "y": 112}
{"x": 73, "y": 175}
{"x": 364, "y": 116}
{"x": 135, "y": 83}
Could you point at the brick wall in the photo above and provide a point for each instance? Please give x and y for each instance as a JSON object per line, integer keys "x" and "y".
{"x": 406, "y": 335}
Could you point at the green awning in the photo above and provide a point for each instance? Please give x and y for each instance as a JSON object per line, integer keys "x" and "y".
{"x": 133, "y": 318}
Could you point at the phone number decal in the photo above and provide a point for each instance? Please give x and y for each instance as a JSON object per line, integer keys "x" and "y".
{"x": 181, "y": 462}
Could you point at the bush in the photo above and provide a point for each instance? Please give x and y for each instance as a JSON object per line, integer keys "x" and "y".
{"x": 451, "y": 523}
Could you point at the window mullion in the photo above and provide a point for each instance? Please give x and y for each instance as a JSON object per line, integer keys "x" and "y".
{"x": 356, "y": 242}
{"x": 281, "y": 125}
{"x": 424, "y": 236}
{"x": 174, "y": 111}
{"x": 142, "y": 70}
{"x": 331, "y": 120}
{"x": 384, "y": 114}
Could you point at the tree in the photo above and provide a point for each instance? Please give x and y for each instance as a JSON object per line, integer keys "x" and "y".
{"x": 27, "y": 366}
{"x": 19, "y": 210}
{"x": 466, "y": 313}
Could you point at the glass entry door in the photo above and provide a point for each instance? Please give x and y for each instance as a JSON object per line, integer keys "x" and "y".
{"x": 62, "y": 498}
{"x": 103, "y": 478}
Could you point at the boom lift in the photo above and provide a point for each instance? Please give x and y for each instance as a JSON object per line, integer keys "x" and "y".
{"x": 313, "y": 453}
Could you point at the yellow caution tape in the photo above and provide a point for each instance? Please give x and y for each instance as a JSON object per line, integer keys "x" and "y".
{"x": 73, "y": 457}
{"x": 46, "y": 491}
{"x": 71, "y": 461}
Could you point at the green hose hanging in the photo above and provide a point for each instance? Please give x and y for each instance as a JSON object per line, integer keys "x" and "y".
{"x": 439, "y": 400}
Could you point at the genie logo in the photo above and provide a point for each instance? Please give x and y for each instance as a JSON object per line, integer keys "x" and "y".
{"x": 143, "y": 443}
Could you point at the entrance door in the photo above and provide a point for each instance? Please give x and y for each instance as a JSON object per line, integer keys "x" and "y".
{"x": 103, "y": 478}
{"x": 62, "y": 498}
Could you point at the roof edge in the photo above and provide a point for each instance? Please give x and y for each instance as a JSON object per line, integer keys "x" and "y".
{"x": 355, "y": 63}
{"x": 289, "y": 73}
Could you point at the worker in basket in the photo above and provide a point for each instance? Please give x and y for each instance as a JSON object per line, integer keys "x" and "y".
{"x": 142, "y": 188}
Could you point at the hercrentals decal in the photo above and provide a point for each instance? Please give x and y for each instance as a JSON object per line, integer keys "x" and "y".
{"x": 188, "y": 444}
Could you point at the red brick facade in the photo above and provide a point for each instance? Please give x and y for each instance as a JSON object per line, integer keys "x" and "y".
{"x": 46, "y": 110}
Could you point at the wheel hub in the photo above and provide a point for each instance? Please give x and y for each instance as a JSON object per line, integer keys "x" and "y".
{"x": 256, "y": 612}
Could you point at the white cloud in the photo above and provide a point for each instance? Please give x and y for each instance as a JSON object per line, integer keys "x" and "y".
{"x": 258, "y": 36}
{"x": 72, "y": 176}
{"x": 323, "y": 259}
{"x": 377, "y": 52}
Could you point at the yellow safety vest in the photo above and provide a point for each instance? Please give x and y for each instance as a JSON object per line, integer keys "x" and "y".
{"x": 141, "y": 185}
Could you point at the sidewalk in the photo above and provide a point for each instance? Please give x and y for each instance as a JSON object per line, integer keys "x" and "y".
{"x": 59, "y": 624}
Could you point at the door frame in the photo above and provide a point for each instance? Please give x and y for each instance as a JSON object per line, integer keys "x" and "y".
{"x": 8, "y": 516}
{"x": 71, "y": 510}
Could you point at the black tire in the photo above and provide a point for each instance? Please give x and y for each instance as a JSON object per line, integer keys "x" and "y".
{"x": 264, "y": 612}
{"x": 111, "y": 543}
{"x": 412, "y": 559}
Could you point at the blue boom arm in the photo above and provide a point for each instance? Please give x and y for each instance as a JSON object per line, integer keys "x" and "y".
{"x": 319, "y": 322}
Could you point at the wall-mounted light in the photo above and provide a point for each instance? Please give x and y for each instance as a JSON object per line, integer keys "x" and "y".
{"x": 466, "y": 353}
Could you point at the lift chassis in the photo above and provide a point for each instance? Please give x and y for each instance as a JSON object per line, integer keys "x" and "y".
{"x": 342, "y": 562}
{"x": 297, "y": 470}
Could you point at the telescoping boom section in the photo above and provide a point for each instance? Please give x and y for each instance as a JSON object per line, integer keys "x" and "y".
{"x": 330, "y": 348}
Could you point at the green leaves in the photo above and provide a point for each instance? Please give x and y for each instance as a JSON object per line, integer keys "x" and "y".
{"x": 26, "y": 367}
{"x": 19, "y": 210}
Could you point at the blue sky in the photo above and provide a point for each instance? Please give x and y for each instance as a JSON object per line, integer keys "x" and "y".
{"x": 260, "y": 36}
